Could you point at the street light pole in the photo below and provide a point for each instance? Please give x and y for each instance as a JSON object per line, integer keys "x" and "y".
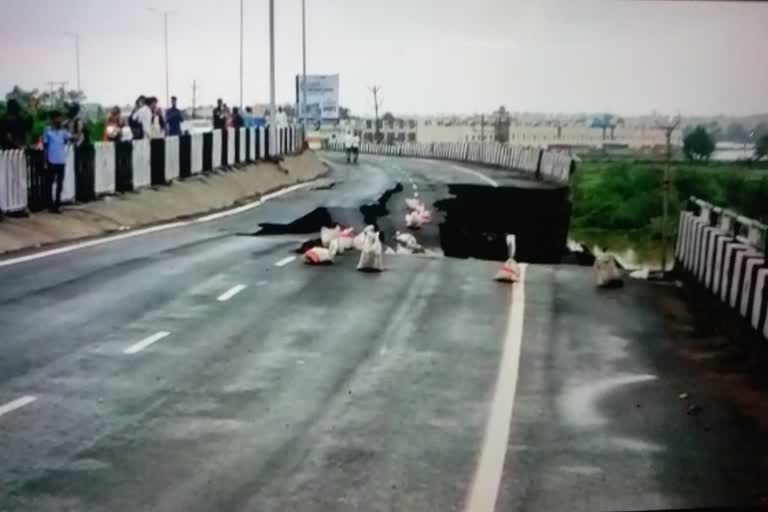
{"x": 241, "y": 54}
{"x": 667, "y": 128}
{"x": 272, "y": 62}
{"x": 165, "y": 37}
{"x": 303, "y": 105}
{"x": 165, "y": 48}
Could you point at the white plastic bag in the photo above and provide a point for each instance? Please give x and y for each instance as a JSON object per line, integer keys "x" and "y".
{"x": 607, "y": 274}
{"x": 329, "y": 234}
{"x": 321, "y": 255}
{"x": 359, "y": 241}
{"x": 371, "y": 257}
{"x": 425, "y": 216}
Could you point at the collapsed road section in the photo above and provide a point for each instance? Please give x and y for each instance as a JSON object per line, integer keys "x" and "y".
{"x": 471, "y": 221}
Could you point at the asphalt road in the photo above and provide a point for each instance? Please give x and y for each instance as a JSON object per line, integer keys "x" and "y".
{"x": 199, "y": 369}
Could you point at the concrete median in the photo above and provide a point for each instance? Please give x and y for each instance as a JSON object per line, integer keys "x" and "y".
{"x": 197, "y": 195}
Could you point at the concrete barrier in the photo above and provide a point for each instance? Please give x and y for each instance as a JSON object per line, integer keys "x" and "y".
{"x": 196, "y": 158}
{"x": 140, "y": 163}
{"x": 68, "y": 190}
{"x": 724, "y": 253}
{"x": 216, "y": 150}
{"x": 171, "y": 159}
{"x": 104, "y": 168}
{"x": 13, "y": 181}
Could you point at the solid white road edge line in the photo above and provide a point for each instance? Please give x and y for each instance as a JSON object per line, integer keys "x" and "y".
{"x": 141, "y": 345}
{"x": 485, "y": 485}
{"x": 153, "y": 229}
{"x": 230, "y": 293}
{"x": 478, "y": 175}
{"x": 16, "y": 404}
{"x": 283, "y": 262}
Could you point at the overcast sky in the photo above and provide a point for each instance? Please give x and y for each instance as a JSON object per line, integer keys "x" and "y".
{"x": 429, "y": 56}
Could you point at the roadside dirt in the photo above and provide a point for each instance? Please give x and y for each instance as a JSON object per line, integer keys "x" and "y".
{"x": 733, "y": 357}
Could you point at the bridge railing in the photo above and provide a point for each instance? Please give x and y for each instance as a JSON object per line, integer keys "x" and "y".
{"x": 544, "y": 165}
{"x": 724, "y": 252}
{"x": 114, "y": 167}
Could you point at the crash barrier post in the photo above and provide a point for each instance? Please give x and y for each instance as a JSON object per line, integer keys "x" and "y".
{"x": 262, "y": 143}
{"x": 104, "y": 168}
{"x": 37, "y": 180}
{"x": 84, "y": 178}
{"x": 216, "y": 150}
{"x": 13, "y": 181}
{"x": 208, "y": 151}
{"x": 231, "y": 146}
{"x": 242, "y": 156}
{"x": 68, "y": 190}
{"x": 724, "y": 253}
{"x": 186, "y": 149}
{"x": 172, "y": 158}
{"x": 157, "y": 161}
{"x": 195, "y": 153}
{"x": 142, "y": 175}
{"x": 123, "y": 166}
{"x": 248, "y": 133}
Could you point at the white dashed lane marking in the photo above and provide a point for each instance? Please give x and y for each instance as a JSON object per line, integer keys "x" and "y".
{"x": 141, "y": 345}
{"x": 16, "y": 404}
{"x": 230, "y": 293}
{"x": 283, "y": 262}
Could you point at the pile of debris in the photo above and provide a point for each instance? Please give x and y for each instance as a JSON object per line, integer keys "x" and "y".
{"x": 338, "y": 240}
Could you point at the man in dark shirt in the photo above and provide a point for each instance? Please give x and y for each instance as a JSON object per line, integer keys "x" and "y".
{"x": 14, "y": 127}
{"x": 237, "y": 119}
{"x": 219, "y": 116}
{"x": 173, "y": 119}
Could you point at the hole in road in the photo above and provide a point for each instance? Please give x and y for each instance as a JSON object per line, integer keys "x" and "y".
{"x": 470, "y": 221}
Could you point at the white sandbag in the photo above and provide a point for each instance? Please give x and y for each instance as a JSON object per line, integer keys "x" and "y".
{"x": 329, "y": 234}
{"x": 425, "y": 216}
{"x": 321, "y": 255}
{"x": 371, "y": 257}
{"x": 359, "y": 241}
{"x": 389, "y": 250}
{"x": 413, "y": 220}
{"x": 408, "y": 241}
{"x": 346, "y": 239}
{"x": 607, "y": 274}
{"x": 509, "y": 272}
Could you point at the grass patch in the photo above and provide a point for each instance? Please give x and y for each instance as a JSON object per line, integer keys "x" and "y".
{"x": 626, "y": 194}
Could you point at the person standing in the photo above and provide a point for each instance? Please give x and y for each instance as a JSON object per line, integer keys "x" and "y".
{"x": 219, "y": 116}
{"x": 141, "y": 119}
{"x": 237, "y": 119}
{"x": 75, "y": 125}
{"x": 55, "y": 140}
{"x": 248, "y": 119}
{"x": 114, "y": 126}
{"x": 158, "y": 119}
{"x": 173, "y": 119}
{"x": 282, "y": 118}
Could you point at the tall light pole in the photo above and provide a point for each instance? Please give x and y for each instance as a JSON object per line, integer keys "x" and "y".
{"x": 272, "y": 62}
{"x": 303, "y": 105}
{"x": 165, "y": 47}
{"x": 241, "y": 54}
{"x": 77, "y": 56}
{"x": 667, "y": 127}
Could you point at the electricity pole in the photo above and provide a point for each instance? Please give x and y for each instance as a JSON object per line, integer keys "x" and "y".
{"x": 76, "y": 37}
{"x": 375, "y": 90}
{"x": 53, "y": 85}
{"x": 667, "y": 127}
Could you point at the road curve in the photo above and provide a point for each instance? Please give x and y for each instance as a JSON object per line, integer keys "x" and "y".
{"x": 201, "y": 368}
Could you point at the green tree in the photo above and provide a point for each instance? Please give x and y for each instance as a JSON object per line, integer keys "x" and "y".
{"x": 698, "y": 144}
{"x": 26, "y": 99}
{"x": 344, "y": 113}
{"x": 761, "y": 147}
{"x": 388, "y": 117}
